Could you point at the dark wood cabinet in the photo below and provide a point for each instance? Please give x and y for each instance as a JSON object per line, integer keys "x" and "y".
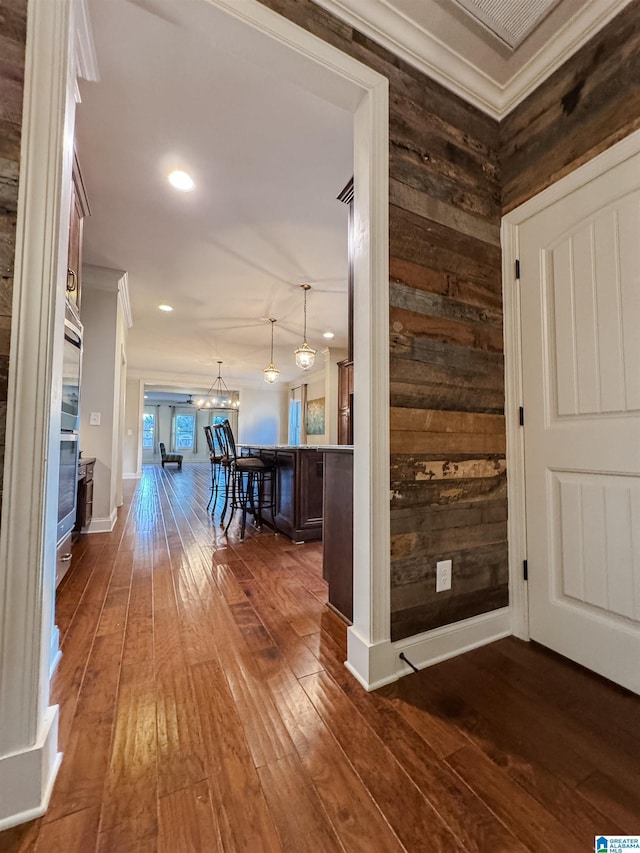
{"x": 345, "y": 402}
{"x": 84, "y": 511}
{"x": 345, "y": 368}
{"x": 337, "y": 545}
{"x": 299, "y": 476}
{"x": 79, "y": 209}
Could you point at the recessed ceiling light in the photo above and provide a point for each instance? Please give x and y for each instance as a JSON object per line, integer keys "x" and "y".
{"x": 165, "y": 307}
{"x": 181, "y": 181}
{"x": 328, "y": 335}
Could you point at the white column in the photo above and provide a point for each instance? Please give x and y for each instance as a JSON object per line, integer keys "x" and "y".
{"x": 28, "y": 725}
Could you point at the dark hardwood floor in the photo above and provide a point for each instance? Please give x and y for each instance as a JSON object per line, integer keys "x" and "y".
{"x": 204, "y": 706}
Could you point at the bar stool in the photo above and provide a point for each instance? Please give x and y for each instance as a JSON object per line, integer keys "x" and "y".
{"x": 215, "y": 458}
{"x": 225, "y": 467}
{"x": 250, "y": 484}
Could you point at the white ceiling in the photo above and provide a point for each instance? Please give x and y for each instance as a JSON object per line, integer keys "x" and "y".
{"x": 184, "y": 85}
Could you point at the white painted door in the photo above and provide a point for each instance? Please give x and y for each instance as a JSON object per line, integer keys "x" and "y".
{"x": 580, "y": 315}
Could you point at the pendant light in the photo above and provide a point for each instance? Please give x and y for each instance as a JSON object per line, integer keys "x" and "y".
{"x": 271, "y": 373}
{"x": 218, "y": 395}
{"x": 305, "y": 356}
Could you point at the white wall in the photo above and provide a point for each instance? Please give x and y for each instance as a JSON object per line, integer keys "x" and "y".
{"x": 104, "y": 344}
{"x": 260, "y": 419}
{"x": 331, "y": 359}
{"x": 132, "y": 439}
{"x": 323, "y": 383}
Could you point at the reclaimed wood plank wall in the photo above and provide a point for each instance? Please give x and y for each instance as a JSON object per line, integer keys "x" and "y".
{"x": 447, "y": 467}
{"x": 587, "y": 105}
{"x": 13, "y": 35}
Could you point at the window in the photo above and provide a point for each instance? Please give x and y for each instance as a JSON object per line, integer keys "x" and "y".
{"x": 295, "y": 411}
{"x": 148, "y": 430}
{"x": 185, "y": 431}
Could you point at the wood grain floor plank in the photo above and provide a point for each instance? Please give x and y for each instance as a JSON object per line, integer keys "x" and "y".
{"x": 74, "y": 585}
{"x": 21, "y": 838}
{"x": 255, "y": 634}
{"x": 513, "y": 743}
{"x": 409, "y": 814}
{"x": 241, "y": 809}
{"x": 520, "y": 812}
{"x": 188, "y": 823}
{"x": 266, "y": 735}
{"x": 356, "y": 819}
{"x": 179, "y": 746}
{"x": 227, "y": 582}
{"x": 129, "y": 809}
{"x": 80, "y": 782}
{"x": 297, "y": 811}
{"x": 464, "y": 813}
{"x": 509, "y": 718}
{"x": 295, "y": 649}
{"x": 74, "y": 833}
{"x": 617, "y": 799}
{"x": 67, "y": 679}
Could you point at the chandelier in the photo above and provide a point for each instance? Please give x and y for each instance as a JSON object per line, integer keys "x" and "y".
{"x": 305, "y": 356}
{"x": 218, "y": 396}
{"x": 271, "y": 373}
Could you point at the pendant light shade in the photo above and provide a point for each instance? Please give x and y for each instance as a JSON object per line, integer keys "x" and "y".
{"x": 271, "y": 373}
{"x": 305, "y": 356}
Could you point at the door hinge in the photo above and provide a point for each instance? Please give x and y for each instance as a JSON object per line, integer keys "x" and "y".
{"x": 525, "y": 570}
{"x": 521, "y": 415}
{"x": 518, "y": 268}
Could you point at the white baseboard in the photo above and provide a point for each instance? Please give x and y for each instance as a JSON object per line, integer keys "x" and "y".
{"x": 102, "y": 525}
{"x": 26, "y": 778}
{"x": 132, "y": 476}
{"x": 380, "y": 664}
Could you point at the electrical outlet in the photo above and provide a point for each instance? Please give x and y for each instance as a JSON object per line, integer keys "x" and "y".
{"x": 443, "y": 575}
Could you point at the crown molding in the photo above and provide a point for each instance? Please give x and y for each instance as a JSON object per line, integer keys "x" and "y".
{"x": 419, "y": 48}
{"x": 567, "y": 41}
{"x": 87, "y": 63}
{"x": 441, "y": 63}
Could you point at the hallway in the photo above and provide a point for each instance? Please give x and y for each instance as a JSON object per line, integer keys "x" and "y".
{"x": 204, "y": 706}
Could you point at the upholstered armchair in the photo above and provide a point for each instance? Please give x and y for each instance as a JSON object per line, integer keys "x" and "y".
{"x": 170, "y": 457}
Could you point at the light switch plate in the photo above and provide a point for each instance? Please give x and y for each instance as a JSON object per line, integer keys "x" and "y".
{"x": 95, "y": 418}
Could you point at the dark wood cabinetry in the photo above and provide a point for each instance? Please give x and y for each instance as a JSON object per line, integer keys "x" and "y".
{"x": 299, "y": 475}
{"x": 84, "y": 512}
{"x": 79, "y": 209}
{"x": 345, "y": 368}
{"x": 337, "y": 545}
{"x": 345, "y": 402}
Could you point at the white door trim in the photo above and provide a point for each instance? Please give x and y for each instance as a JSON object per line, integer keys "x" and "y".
{"x": 517, "y": 533}
{"x": 29, "y": 759}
